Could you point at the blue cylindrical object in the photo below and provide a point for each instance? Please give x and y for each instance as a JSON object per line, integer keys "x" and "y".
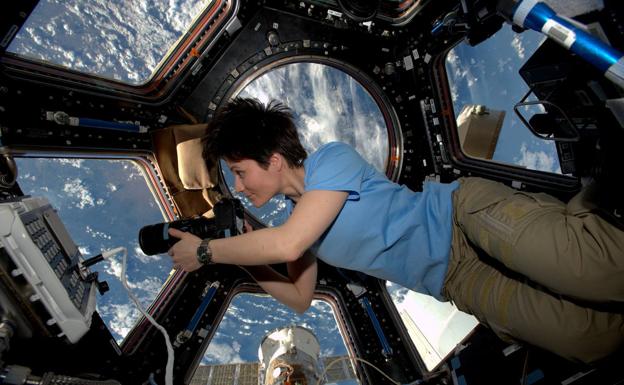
{"x": 386, "y": 350}
{"x": 97, "y": 123}
{"x": 535, "y": 15}
{"x": 437, "y": 27}
{"x": 202, "y": 308}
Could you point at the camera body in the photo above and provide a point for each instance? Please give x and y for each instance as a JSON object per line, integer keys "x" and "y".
{"x": 228, "y": 221}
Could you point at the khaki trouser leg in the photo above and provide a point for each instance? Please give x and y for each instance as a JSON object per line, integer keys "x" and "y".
{"x": 567, "y": 249}
{"x": 515, "y": 310}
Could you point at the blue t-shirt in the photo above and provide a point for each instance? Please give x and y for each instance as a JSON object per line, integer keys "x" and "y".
{"x": 384, "y": 229}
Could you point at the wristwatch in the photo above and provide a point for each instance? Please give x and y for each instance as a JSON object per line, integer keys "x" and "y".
{"x": 204, "y": 253}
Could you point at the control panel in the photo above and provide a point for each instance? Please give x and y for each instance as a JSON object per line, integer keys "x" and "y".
{"x": 45, "y": 267}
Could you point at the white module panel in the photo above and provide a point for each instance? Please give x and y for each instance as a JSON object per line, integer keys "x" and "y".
{"x": 40, "y": 247}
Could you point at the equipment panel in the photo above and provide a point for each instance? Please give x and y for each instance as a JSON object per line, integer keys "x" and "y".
{"x": 43, "y": 254}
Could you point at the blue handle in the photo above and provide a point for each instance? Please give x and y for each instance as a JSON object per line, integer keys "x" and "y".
{"x": 202, "y": 308}
{"x": 97, "y": 123}
{"x": 386, "y": 349}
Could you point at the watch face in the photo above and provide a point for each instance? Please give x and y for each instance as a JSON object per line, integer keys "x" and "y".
{"x": 203, "y": 253}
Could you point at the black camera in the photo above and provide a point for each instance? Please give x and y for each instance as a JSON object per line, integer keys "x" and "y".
{"x": 227, "y": 221}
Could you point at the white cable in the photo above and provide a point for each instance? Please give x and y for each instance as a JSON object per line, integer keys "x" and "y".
{"x": 109, "y": 253}
{"x": 356, "y": 359}
{"x": 170, "y": 357}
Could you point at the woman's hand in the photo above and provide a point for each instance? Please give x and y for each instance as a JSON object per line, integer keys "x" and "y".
{"x": 184, "y": 252}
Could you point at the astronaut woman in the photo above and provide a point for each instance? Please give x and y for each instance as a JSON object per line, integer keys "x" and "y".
{"x": 547, "y": 262}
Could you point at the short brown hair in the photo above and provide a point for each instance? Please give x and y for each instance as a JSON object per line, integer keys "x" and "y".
{"x": 247, "y": 129}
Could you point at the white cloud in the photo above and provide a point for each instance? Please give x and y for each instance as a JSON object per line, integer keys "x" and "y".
{"x": 463, "y": 73}
{"x": 328, "y": 351}
{"x": 397, "y": 292}
{"x": 97, "y": 234}
{"x": 221, "y": 353}
{"x": 538, "y": 160}
{"x": 455, "y": 73}
{"x": 460, "y": 73}
{"x": 114, "y": 267}
{"x": 150, "y": 285}
{"x": 236, "y": 346}
{"x": 320, "y": 306}
{"x": 517, "y": 45}
{"x": 77, "y": 163}
{"x": 75, "y": 189}
{"x": 452, "y": 58}
{"x": 145, "y": 258}
{"x": 111, "y": 187}
{"x": 504, "y": 64}
{"x": 29, "y": 177}
{"x": 122, "y": 317}
{"x": 280, "y": 206}
{"x": 132, "y": 170}
{"x": 454, "y": 92}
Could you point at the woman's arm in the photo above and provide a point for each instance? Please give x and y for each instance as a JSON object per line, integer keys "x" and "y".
{"x": 295, "y": 291}
{"x": 313, "y": 214}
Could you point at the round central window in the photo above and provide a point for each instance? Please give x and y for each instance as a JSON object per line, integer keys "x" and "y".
{"x": 328, "y": 105}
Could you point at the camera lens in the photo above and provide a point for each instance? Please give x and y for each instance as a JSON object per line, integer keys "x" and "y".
{"x": 153, "y": 239}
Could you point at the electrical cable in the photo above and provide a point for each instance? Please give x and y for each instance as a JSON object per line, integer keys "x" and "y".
{"x": 356, "y": 359}
{"x": 124, "y": 282}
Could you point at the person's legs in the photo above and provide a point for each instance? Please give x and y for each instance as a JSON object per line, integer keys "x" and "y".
{"x": 570, "y": 250}
{"x": 516, "y": 311}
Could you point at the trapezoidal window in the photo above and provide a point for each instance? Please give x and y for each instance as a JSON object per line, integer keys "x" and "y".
{"x": 485, "y": 86}
{"x": 232, "y": 357}
{"x": 118, "y": 40}
{"x": 103, "y": 203}
{"x": 328, "y": 105}
{"x": 435, "y": 328}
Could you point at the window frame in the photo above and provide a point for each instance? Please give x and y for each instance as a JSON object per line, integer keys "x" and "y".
{"x": 328, "y": 296}
{"x": 394, "y": 164}
{"x": 395, "y": 136}
{"x": 390, "y": 303}
{"x": 521, "y": 176}
{"x": 148, "y": 166}
{"x": 183, "y": 57}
